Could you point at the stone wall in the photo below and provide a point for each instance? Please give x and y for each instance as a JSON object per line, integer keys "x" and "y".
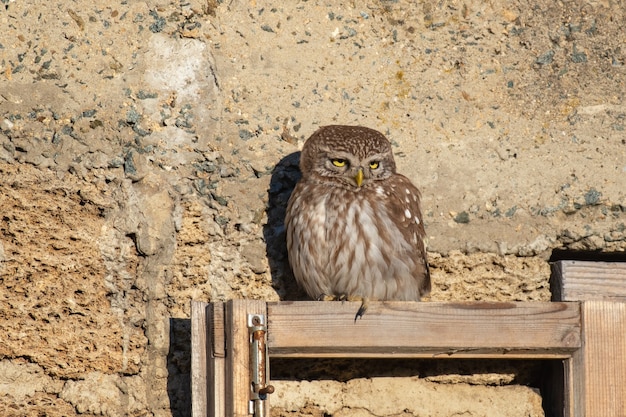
{"x": 147, "y": 151}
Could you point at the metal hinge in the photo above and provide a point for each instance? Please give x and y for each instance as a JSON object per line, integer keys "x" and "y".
{"x": 259, "y": 365}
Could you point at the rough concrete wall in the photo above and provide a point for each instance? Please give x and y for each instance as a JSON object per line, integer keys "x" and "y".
{"x": 147, "y": 152}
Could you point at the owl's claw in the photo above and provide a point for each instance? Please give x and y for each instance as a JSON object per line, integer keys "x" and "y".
{"x": 345, "y": 297}
{"x": 362, "y": 309}
{"x": 340, "y": 297}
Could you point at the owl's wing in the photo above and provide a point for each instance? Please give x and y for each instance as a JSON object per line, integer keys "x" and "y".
{"x": 404, "y": 206}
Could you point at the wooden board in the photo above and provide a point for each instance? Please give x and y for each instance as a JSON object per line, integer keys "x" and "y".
{"x": 199, "y": 377}
{"x": 587, "y": 281}
{"x": 409, "y": 329}
{"x": 237, "y": 370}
{"x": 596, "y": 374}
{"x": 599, "y": 385}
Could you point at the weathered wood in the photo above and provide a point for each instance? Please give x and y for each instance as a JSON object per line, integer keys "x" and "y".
{"x": 586, "y": 281}
{"x": 574, "y": 399}
{"x": 237, "y": 390}
{"x": 216, "y": 360}
{"x": 600, "y": 385}
{"x": 199, "y": 376}
{"x": 406, "y": 329}
{"x": 596, "y": 374}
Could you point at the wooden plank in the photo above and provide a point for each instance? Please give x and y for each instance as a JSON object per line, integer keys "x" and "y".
{"x": 216, "y": 360}
{"x": 601, "y": 380}
{"x": 596, "y": 374}
{"x": 237, "y": 368}
{"x": 583, "y": 281}
{"x": 413, "y": 329}
{"x": 199, "y": 375}
{"x": 574, "y": 398}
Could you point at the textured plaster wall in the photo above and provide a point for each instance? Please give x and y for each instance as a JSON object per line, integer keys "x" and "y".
{"x": 147, "y": 151}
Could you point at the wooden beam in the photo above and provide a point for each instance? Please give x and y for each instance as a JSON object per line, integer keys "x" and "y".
{"x": 237, "y": 370}
{"x": 573, "y": 397}
{"x": 584, "y": 281}
{"x": 596, "y": 374}
{"x": 207, "y": 359}
{"x": 599, "y": 377}
{"x": 199, "y": 376}
{"x": 407, "y": 329}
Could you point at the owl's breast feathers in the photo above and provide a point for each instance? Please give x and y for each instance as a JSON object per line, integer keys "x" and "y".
{"x": 368, "y": 244}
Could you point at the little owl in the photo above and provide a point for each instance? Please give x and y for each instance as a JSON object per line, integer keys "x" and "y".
{"x": 354, "y": 225}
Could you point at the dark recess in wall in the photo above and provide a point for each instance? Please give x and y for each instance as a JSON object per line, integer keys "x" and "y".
{"x": 598, "y": 256}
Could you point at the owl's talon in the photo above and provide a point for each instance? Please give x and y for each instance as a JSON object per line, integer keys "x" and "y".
{"x": 362, "y": 309}
{"x": 359, "y": 313}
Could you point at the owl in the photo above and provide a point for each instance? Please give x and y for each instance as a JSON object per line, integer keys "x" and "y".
{"x": 354, "y": 225}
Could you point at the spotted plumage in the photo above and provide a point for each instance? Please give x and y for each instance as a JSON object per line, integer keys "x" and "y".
{"x": 354, "y": 225}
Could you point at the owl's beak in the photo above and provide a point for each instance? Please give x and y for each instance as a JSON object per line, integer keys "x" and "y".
{"x": 359, "y": 177}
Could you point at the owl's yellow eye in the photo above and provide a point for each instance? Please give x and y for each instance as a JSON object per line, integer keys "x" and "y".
{"x": 339, "y": 162}
{"x": 374, "y": 164}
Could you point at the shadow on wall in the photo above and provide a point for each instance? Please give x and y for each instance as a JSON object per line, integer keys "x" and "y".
{"x": 285, "y": 175}
{"x": 179, "y": 368}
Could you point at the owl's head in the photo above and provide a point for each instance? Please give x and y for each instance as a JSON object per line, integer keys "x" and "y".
{"x": 351, "y": 156}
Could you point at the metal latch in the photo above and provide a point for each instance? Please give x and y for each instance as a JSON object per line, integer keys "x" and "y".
{"x": 259, "y": 365}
